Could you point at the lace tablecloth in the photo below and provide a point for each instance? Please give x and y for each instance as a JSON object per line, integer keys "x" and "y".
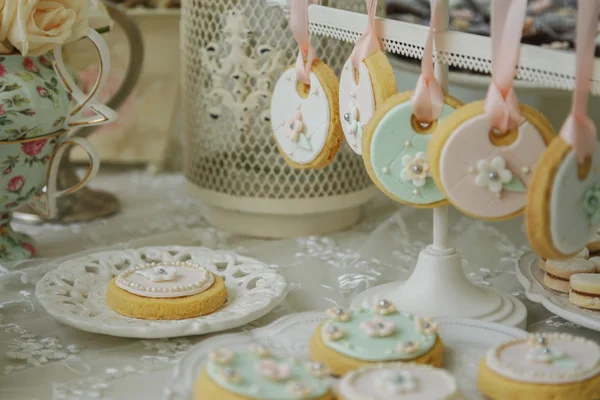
{"x": 42, "y": 359}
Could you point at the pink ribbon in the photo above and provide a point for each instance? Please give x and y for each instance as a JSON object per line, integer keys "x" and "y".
{"x": 579, "y": 130}
{"x": 501, "y": 103}
{"x": 299, "y": 25}
{"x": 369, "y": 42}
{"x": 428, "y": 99}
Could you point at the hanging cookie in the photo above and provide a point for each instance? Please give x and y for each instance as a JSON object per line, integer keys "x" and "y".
{"x": 304, "y": 105}
{"x": 367, "y": 80}
{"x": 483, "y": 156}
{"x": 396, "y": 138}
{"x": 563, "y": 211}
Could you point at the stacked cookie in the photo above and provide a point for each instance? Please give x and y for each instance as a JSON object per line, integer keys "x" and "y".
{"x": 579, "y": 277}
{"x": 380, "y": 354}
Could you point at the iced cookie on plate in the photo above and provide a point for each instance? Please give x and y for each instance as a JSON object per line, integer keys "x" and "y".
{"x": 547, "y": 366}
{"x": 257, "y": 374}
{"x": 585, "y": 291}
{"x": 399, "y": 382}
{"x": 166, "y": 291}
{"x": 558, "y": 272}
{"x": 351, "y": 339}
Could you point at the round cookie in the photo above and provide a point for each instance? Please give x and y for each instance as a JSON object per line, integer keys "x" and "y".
{"x": 395, "y": 152}
{"x": 548, "y": 366}
{"x": 563, "y": 202}
{"x": 258, "y": 374}
{"x": 361, "y": 92}
{"x": 305, "y": 118}
{"x": 558, "y": 272}
{"x": 351, "y": 339}
{"x": 585, "y": 291}
{"x": 399, "y": 381}
{"x": 166, "y": 291}
{"x": 483, "y": 174}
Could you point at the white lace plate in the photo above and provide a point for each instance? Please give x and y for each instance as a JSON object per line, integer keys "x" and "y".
{"x": 75, "y": 292}
{"x": 531, "y": 277}
{"x": 466, "y": 342}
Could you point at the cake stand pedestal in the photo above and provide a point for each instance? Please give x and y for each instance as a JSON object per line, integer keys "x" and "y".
{"x": 438, "y": 287}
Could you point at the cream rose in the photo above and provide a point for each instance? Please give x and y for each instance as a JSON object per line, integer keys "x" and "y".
{"x": 40, "y": 25}
{"x": 8, "y": 13}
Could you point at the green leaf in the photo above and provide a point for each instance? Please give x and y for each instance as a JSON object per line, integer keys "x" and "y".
{"x": 26, "y": 76}
{"x": 303, "y": 142}
{"x": 54, "y": 81}
{"x": 515, "y": 185}
{"x": 3, "y": 198}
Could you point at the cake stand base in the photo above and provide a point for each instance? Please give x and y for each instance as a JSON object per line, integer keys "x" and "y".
{"x": 439, "y": 287}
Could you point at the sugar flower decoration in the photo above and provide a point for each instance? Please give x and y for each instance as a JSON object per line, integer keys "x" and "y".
{"x": 493, "y": 174}
{"x": 159, "y": 273}
{"x": 397, "y": 382}
{"x": 318, "y": 369}
{"x": 338, "y": 314}
{"x": 221, "y": 356}
{"x": 334, "y": 333}
{"x": 416, "y": 169}
{"x": 378, "y": 327}
{"x": 426, "y": 326}
{"x": 591, "y": 204}
{"x": 298, "y": 390}
{"x": 384, "y": 307}
{"x": 408, "y": 347}
{"x": 543, "y": 355}
{"x": 294, "y": 126}
{"x": 260, "y": 351}
{"x": 231, "y": 376}
{"x": 274, "y": 371}
{"x": 351, "y": 118}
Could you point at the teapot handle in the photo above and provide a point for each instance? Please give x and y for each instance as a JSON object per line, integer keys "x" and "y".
{"x": 103, "y": 114}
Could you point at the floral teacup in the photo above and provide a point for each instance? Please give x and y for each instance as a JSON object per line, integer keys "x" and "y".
{"x": 28, "y": 172}
{"x": 37, "y": 93}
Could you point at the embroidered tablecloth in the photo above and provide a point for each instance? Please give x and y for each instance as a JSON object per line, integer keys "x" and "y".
{"x": 42, "y": 359}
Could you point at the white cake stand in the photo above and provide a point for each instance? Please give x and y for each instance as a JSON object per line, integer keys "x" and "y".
{"x": 438, "y": 286}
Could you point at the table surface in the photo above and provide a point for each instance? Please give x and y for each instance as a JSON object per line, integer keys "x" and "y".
{"x": 42, "y": 359}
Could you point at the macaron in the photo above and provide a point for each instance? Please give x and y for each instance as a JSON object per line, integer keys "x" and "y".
{"x": 594, "y": 244}
{"x": 558, "y": 272}
{"x": 585, "y": 254}
{"x": 542, "y": 264}
{"x": 596, "y": 261}
{"x": 585, "y": 291}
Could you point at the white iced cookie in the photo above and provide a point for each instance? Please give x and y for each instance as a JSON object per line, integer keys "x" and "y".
{"x": 362, "y": 90}
{"x": 399, "y": 381}
{"x": 165, "y": 280}
{"x": 305, "y": 118}
{"x": 555, "y": 365}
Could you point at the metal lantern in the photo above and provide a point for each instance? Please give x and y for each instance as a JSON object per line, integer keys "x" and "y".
{"x": 233, "y": 52}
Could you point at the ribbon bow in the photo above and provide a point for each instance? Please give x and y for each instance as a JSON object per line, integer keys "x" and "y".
{"x": 428, "y": 99}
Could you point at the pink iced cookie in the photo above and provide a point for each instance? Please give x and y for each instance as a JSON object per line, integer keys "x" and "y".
{"x": 483, "y": 178}
{"x": 360, "y": 97}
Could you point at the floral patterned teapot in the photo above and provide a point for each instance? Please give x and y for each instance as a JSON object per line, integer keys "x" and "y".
{"x": 38, "y": 95}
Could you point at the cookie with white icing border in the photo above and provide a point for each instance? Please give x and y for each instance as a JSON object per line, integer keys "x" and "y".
{"x": 258, "y": 374}
{"x": 399, "y": 381}
{"x": 305, "y": 118}
{"x": 395, "y": 152}
{"x": 483, "y": 174}
{"x": 351, "y": 339}
{"x": 563, "y": 202}
{"x": 362, "y": 91}
{"x": 547, "y": 366}
{"x": 166, "y": 291}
